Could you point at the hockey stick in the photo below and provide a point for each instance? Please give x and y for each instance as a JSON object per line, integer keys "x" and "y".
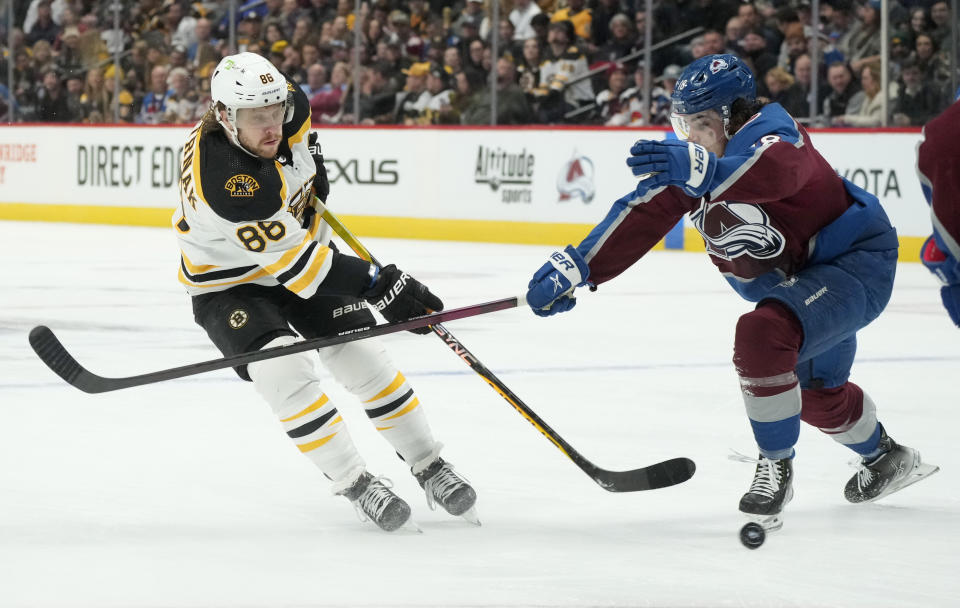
{"x": 52, "y": 352}
{"x": 659, "y": 475}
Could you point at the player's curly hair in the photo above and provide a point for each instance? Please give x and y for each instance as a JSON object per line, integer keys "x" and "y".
{"x": 742, "y": 110}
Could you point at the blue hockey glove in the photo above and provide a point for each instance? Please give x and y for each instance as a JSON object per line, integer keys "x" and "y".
{"x": 550, "y": 289}
{"x": 674, "y": 163}
{"x": 947, "y": 269}
{"x": 950, "y": 294}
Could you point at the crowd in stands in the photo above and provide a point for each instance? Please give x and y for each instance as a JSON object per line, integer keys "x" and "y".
{"x": 430, "y": 61}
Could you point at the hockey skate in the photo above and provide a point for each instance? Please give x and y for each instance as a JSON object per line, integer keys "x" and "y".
{"x": 444, "y": 487}
{"x": 771, "y": 490}
{"x": 374, "y": 500}
{"x": 897, "y": 467}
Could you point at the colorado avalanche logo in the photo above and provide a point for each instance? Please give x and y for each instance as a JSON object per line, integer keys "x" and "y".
{"x": 718, "y": 64}
{"x": 732, "y": 229}
{"x": 576, "y": 179}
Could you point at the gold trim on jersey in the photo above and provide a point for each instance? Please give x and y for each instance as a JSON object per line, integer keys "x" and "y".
{"x": 283, "y": 180}
{"x": 303, "y": 130}
{"x": 307, "y": 277}
{"x": 192, "y": 280}
{"x": 285, "y": 261}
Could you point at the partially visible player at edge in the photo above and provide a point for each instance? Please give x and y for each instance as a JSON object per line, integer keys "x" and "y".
{"x": 815, "y": 252}
{"x": 938, "y": 167}
{"x": 257, "y": 260}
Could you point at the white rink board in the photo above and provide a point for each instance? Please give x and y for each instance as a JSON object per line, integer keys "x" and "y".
{"x": 504, "y": 174}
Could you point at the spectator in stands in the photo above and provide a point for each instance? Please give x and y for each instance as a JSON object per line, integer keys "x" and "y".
{"x": 52, "y": 103}
{"x": 154, "y": 104}
{"x": 181, "y": 104}
{"x": 713, "y": 42}
{"x": 180, "y": 28}
{"x": 73, "y": 87}
{"x": 843, "y": 87}
{"x": 660, "y": 103}
{"x": 316, "y": 80}
{"x": 507, "y": 45}
{"x": 942, "y": 28}
{"x": 441, "y": 95}
{"x": 273, "y": 33}
{"x": 471, "y": 15}
{"x": 917, "y": 101}
{"x": 753, "y": 51}
{"x": 96, "y": 100}
{"x": 325, "y": 103}
{"x": 919, "y": 24}
{"x": 378, "y": 95}
{"x": 541, "y": 26}
{"x": 521, "y": 16}
{"x": 868, "y": 101}
{"x": 562, "y": 74}
{"x": 44, "y": 28}
{"x": 413, "y": 101}
{"x": 748, "y": 13}
{"x": 934, "y": 66}
{"x": 783, "y": 89}
{"x": 512, "y": 106}
{"x": 613, "y": 108}
{"x": 803, "y": 73}
{"x": 452, "y": 62}
{"x": 69, "y": 60}
{"x": 795, "y": 43}
{"x": 304, "y": 32}
{"x": 473, "y": 62}
{"x": 579, "y": 15}
{"x": 621, "y": 40}
{"x": 863, "y": 45}
{"x": 203, "y": 49}
{"x": 733, "y": 32}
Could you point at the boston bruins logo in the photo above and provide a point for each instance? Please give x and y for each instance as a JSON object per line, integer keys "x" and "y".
{"x": 241, "y": 186}
{"x": 238, "y": 318}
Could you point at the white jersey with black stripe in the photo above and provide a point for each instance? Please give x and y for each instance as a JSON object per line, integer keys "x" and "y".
{"x": 241, "y": 218}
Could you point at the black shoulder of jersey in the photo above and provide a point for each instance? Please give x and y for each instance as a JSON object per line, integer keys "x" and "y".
{"x": 237, "y": 186}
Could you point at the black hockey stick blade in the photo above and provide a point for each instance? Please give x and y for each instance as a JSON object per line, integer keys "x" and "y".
{"x": 52, "y": 352}
{"x": 660, "y": 475}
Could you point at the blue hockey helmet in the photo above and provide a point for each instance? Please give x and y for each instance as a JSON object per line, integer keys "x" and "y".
{"x": 713, "y": 82}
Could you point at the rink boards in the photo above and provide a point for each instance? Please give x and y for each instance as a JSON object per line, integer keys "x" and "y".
{"x": 545, "y": 185}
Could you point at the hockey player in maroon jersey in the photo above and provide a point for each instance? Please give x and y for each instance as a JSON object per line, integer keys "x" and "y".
{"x": 938, "y": 166}
{"x": 815, "y": 252}
{"x": 257, "y": 260}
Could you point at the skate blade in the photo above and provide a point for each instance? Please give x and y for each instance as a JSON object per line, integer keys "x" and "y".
{"x": 409, "y": 527}
{"x": 769, "y": 523}
{"x": 470, "y": 516}
{"x": 920, "y": 471}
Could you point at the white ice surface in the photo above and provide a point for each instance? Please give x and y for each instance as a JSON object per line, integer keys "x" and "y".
{"x": 187, "y": 494}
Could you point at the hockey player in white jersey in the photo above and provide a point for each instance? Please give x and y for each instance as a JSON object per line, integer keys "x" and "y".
{"x": 257, "y": 260}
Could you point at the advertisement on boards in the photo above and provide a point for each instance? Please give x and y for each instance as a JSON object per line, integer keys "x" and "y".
{"x": 521, "y": 175}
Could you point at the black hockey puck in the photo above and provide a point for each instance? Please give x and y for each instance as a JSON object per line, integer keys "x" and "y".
{"x": 752, "y": 535}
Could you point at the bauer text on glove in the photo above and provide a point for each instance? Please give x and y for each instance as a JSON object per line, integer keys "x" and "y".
{"x": 399, "y": 297}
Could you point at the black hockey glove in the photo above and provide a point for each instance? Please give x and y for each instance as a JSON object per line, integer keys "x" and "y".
{"x": 399, "y": 297}
{"x": 321, "y": 185}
